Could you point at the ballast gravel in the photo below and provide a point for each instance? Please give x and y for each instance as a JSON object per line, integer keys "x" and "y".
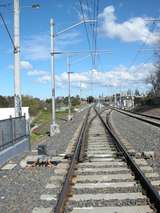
{"x": 142, "y": 136}
{"x": 59, "y": 142}
{"x": 21, "y": 188}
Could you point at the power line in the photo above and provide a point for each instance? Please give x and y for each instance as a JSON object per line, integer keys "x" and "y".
{"x": 8, "y": 32}
{"x": 92, "y": 11}
{"x": 96, "y": 30}
{"x": 85, "y": 24}
{"x": 93, "y": 27}
{"x": 89, "y": 13}
{"x": 88, "y": 39}
{"x": 141, "y": 47}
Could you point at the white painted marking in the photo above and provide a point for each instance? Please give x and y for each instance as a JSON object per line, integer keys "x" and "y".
{"x": 8, "y": 166}
{"x": 23, "y": 163}
{"x": 42, "y": 210}
{"x": 48, "y": 197}
{"x": 52, "y": 186}
{"x": 122, "y": 209}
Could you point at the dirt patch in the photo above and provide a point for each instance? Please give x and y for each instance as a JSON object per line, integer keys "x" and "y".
{"x": 153, "y": 111}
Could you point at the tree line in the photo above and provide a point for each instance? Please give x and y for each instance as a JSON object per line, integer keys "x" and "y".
{"x": 36, "y": 104}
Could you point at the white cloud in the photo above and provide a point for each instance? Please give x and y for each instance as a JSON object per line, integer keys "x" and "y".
{"x": 36, "y": 73}
{"x": 40, "y": 75}
{"x": 134, "y": 29}
{"x": 26, "y": 65}
{"x": 75, "y": 77}
{"x": 119, "y": 76}
{"x": 44, "y": 79}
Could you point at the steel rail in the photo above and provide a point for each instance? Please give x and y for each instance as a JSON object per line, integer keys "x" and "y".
{"x": 83, "y": 144}
{"x": 151, "y": 191}
{"x": 148, "y": 116}
{"x": 133, "y": 115}
{"x": 74, "y": 159}
{"x": 144, "y": 115}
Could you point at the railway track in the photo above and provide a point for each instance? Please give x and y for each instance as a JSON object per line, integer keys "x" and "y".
{"x": 149, "y": 116}
{"x": 143, "y": 117}
{"x": 103, "y": 177}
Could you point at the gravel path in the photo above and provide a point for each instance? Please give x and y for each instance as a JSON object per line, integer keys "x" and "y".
{"x": 21, "y": 187}
{"x": 143, "y": 136}
{"x": 58, "y": 143}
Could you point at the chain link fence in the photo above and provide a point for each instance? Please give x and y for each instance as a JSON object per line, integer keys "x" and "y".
{"x": 12, "y": 130}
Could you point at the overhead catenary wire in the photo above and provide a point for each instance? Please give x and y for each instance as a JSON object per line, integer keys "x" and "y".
{"x": 96, "y": 31}
{"x": 140, "y": 48}
{"x": 139, "y": 51}
{"x": 91, "y": 10}
{"x": 88, "y": 10}
{"x": 95, "y": 11}
{"x": 8, "y": 32}
{"x": 93, "y": 28}
{"x": 89, "y": 14}
{"x": 87, "y": 34}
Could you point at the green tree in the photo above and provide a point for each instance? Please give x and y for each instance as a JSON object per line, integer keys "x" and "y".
{"x": 137, "y": 93}
{"x": 90, "y": 99}
{"x": 4, "y": 101}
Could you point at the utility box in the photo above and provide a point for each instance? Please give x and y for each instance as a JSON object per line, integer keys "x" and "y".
{"x": 42, "y": 149}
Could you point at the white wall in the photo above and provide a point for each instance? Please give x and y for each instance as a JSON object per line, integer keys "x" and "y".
{"x": 5, "y": 113}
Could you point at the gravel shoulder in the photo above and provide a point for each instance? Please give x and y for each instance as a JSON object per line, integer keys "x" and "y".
{"x": 58, "y": 143}
{"x": 21, "y": 187}
{"x": 142, "y": 136}
{"x": 154, "y": 112}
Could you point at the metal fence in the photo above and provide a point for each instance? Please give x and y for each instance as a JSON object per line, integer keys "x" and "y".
{"x": 12, "y": 130}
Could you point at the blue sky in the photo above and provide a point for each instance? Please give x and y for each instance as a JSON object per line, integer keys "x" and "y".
{"x": 122, "y": 29}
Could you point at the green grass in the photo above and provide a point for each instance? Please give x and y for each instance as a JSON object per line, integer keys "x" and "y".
{"x": 35, "y": 137}
{"x": 43, "y": 121}
{"x": 43, "y": 116}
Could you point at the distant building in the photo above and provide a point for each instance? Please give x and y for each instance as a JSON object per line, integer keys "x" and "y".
{"x": 127, "y": 102}
{"x": 124, "y": 101}
{"x": 6, "y": 113}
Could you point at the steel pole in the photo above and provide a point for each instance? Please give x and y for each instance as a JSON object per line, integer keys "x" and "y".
{"x": 80, "y": 91}
{"x": 115, "y": 100}
{"x": 69, "y": 88}
{"x": 17, "y": 86}
{"x": 52, "y": 73}
{"x": 54, "y": 127}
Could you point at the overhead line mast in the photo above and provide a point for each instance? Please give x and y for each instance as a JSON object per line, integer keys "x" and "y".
{"x": 17, "y": 86}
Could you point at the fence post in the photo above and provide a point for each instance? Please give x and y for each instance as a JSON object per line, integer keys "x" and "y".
{"x": 11, "y": 132}
{"x": 27, "y": 130}
{"x": 14, "y": 128}
{"x": 26, "y": 126}
{"x": 2, "y": 138}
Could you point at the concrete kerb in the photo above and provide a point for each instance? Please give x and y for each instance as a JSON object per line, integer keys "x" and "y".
{"x": 15, "y": 150}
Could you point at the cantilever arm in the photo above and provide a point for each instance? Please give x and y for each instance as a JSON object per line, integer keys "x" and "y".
{"x": 75, "y": 25}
